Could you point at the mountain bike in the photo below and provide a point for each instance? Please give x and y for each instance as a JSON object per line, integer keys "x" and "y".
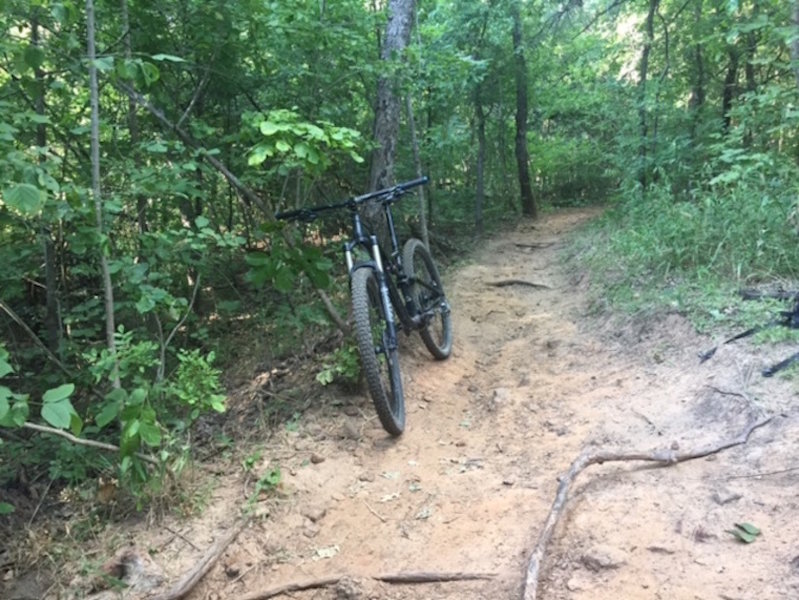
{"x": 390, "y": 291}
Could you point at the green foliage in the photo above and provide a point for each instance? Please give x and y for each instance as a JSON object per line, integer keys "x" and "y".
{"x": 293, "y": 143}
{"x": 196, "y": 383}
{"x": 342, "y": 365}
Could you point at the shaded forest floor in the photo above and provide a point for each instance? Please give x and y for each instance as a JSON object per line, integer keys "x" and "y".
{"x": 534, "y": 378}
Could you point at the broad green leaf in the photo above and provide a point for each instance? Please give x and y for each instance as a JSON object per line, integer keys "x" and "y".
{"x": 25, "y": 198}
{"x": 150, "y": 434}
{"x": 6, "y": 508}
{"x": 5, "y": 396}
{"x": 748, "y": 528}
{"x": 137, "y": 396}
{"x": 269, "y": 128}
{"x": 58, "y": 394}
{"x": 5, "y": 368}
{"x": 282, "y": 146}
{"x": 150, "y": 72}
{"x": 169, "y": 57}
{"x": 75, "y": 423}
{"x": 201, "y": 222}
{"x": 34, "y": 56}
{"x": 104, "y": 64}
{"x": 107, "y": 414}
{"x": 58, "y": 414}
{"x": 18, "y": 413}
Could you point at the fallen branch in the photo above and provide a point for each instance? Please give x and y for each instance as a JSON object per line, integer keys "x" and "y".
{"x": 84, "y": 442}
{"x": 586, "y": 459}
{"x": 508, "y": 282}
{"x": 190, "y": 579}
{"x": 536, "y": 246}
{"x": 392, "y": 578}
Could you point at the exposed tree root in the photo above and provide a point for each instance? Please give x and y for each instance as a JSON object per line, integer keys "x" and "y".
{"x": 509, "y": 282}
{"x": 535, "y": 246}
{"x": 392, "y": 578}
{"x": 588, "y": 458}
{"x": 191, "y": 578}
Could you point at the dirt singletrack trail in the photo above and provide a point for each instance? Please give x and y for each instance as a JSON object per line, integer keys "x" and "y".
{"x": 532, "y": 381}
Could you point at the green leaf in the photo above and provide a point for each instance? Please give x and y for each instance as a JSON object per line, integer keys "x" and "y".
{"x": 104, "y": 64}
{"x": 269, "y": 128}
{"x": 6, "y": 508}
{"x": 5, "y": 407}
{"x": 18, "y": 413}
{"x": 5, "y": 368}
{"x": 748, "y": 528}
{"x": 107, "y": 414}
{"x": 34, "y": 56}
{"x": 745, "y": 532}
{"x": 62, "y": 392}
{"x": 150, "y": 434}
{"x": 58, "y": 414}
{"x": 150, "y": 72}
{"x": 201, "y": 222}
{"x": 169, "y": 57}
{"x": 25, "y": 198}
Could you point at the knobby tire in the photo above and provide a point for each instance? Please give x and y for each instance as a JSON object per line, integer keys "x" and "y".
{"x": 428, "y": 293}
{"x": 379, "y": 362}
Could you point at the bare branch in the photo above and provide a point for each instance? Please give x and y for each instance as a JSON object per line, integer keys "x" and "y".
{"x": 586, "y": 459}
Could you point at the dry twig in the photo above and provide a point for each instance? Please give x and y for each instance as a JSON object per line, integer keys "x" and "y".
{"x": 190, "y": 579}
{"x": 586, "y": 459}
{"x": 392, "y": 578}
{"x": 509, "y": 282}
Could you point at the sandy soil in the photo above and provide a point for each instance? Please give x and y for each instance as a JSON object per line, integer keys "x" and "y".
{"x": 533, "y": 379}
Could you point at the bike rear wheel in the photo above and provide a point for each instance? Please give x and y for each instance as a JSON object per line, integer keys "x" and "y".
{"x": 379, "y": 355}
{"x": 428, "y": 293}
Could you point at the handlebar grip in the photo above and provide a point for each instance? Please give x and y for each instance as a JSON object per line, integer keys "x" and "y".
{"x": 414, "y": 182}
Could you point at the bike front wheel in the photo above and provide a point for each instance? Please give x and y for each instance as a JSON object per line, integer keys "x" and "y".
{"x": 378, "y": 349}
{"x": 428, "y": 294}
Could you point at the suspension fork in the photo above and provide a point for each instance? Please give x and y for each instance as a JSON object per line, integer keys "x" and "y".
{"x": 376, "y": 264}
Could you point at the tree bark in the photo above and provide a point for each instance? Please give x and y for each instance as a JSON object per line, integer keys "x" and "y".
{"x": 730, "y": 87}
{"x": 133, "y": 121}
{"x": 643, "y": 73}
{"x": 417, "y": 161}
{"x": 108, "y": 289}
{"x": 795, "y": 43}
{"x": 480, "y": 125}
{"x": 528, "y": 203}
{"x": 52, "y": 321}
{"x": 387, "y": 112}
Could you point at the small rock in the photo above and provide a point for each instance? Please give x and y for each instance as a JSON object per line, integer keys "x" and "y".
{"x": 603, "y": 557}
{"x": 575, "y": 584}
{"x": 426, "y": 398}
{"x": 725, "y": 497}
{"x": 317, "y": 458}
{"x": 350, "y": 431}
{"x": 366, "y": 476}
{"x": 351, "y": 410}
{"x": 314, "y": 513}
{"x": 337, "y": 497}
{"x": 310, "y": 531}
{"x": 348, "y": 589}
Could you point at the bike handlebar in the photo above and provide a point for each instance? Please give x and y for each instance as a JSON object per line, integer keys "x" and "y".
{"x": 388, "y": 194}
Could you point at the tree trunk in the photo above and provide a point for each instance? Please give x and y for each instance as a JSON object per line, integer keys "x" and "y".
{"x": 528, "y": 203}
{"x": 795, "y": 43}
{"x": 108, "y": 290}
{"x": 479, "y": 198}
{"x": 417, "y": 161}
{"x": 387, "y": 110}
{"x": 52, "y": 321}
{"x": 697, "y": 100}
{"x": 643, "y": 72}
{"x": 730, "y": 87}
{"x": 133, "y": 122}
